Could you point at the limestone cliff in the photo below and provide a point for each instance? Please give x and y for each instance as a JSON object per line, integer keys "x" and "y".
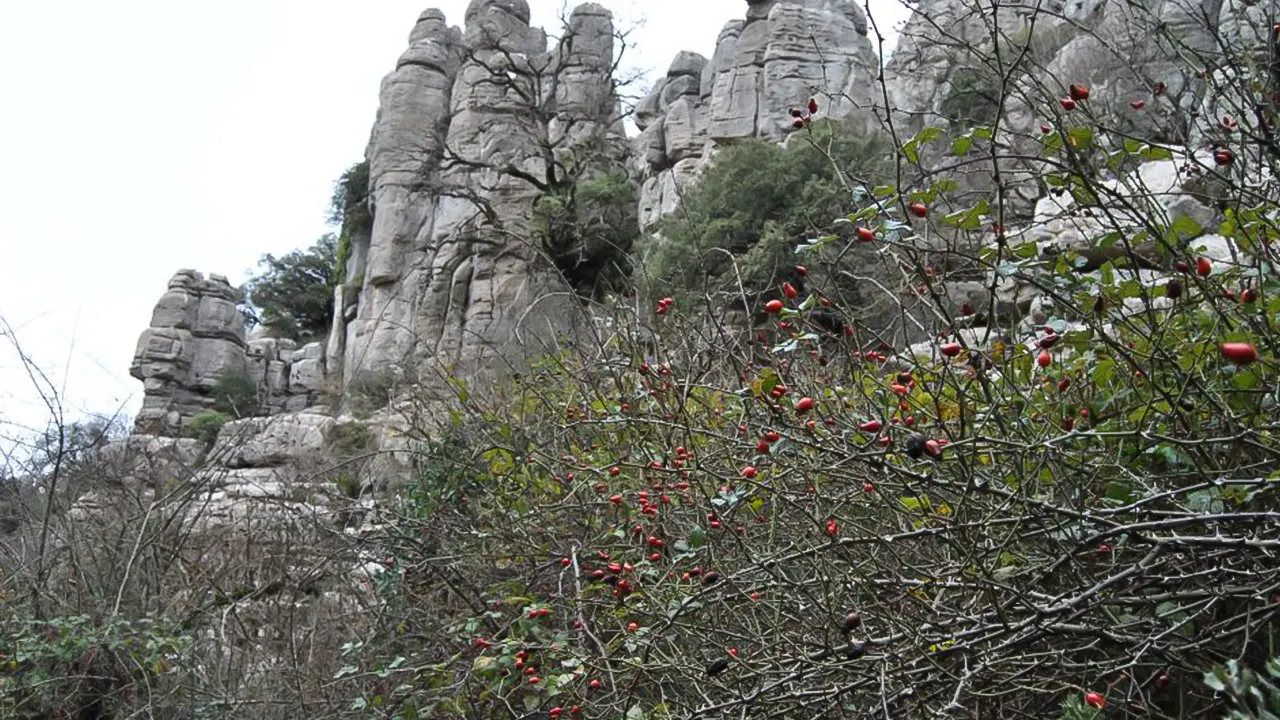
{"x": 781, "y": 54}
{"x": 471, "y": 123}
{"x": 196, "y": 338}
{"x": 478, "y": 122}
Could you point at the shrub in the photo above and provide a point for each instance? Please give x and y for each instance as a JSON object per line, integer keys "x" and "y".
{"x": 350, "y": 212}
{"x": 588, "y": 229}
{"x": 743, "y": 218}
{"x": 351, "y": 438}
{"x": 1253, "y": 696}
{"x": 235, "y": 393}
{"x": 205, "y": 426}
{"x": 973, "y": 99}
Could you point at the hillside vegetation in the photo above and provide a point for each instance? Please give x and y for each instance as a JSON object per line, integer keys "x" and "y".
{"x": 954, "y": 467}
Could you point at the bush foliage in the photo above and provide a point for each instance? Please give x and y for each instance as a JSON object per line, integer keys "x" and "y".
{"x": 1065, "y": 508}
{"x": 588, "y": 229}
{"x": 737, "y": 229}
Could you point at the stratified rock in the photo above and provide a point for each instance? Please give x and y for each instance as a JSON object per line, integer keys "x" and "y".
{"x": 763, "y": 67}
{"x": 271, "y": 441}
{"x": 451, "y": 279}
{"x": 196, "y": 336}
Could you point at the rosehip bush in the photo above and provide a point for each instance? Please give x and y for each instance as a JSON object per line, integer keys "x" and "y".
{"x": 1059, "y": 499}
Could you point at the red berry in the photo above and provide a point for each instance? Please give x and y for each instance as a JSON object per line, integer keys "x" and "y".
{"x": 534, "y": 680}
{"x": 918, "y": 209}
{"x": 871, "y": 426}
{"x": 1239, "y": 353}
{"x": 1094, "y": 700}
{"x": 594, "y": 684}
{"x": 633, "y": 627}
{"x": 1203, "y": 267}
{"x": 1181, "y": 266}
{"x": 773, "y": 306}
{"x": 802, "y": 270}
{"x": 749, "y": 472}
{"x": 1078, "y": 92}
{"x": 865, "y": 235}
{"x": 565, "y": 562}
{"x": 1137, "y": 104}
{"x": 1044, "y": 358}
{"x": 1067, "y": 104}
{"x": 790, "y": 291}
{"x": 813, "y": 105}
{"x": 1223, "y": 157}
{"x": 797, "y": 124}
{"x": 1045, "y": 129}
{"x": 867, "y": 487}
{"x": 804, "y": 405}
{"x": 951, "y": 349}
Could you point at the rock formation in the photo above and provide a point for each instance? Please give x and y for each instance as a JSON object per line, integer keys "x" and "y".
{"x": 196, "y": 337}
{"x": 469, "y": 122}
{"x": 475, "y": 123}
{"x": 781, "y": 54}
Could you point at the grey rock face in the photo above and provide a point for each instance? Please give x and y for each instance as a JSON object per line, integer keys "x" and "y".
{"x": 461, "y": 143}
{"x": 762, "y": 67}
{"x": 271, "y": 441}
{"x": 196, "y": 336}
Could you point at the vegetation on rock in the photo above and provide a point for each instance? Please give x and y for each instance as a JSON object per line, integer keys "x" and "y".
{"x": 1063, "y": 501}
{"x": 736, "y": 231}
{"x": 293, "y": 296}
{"x": 588, "y": 229}
{"x": 349, "y": 211}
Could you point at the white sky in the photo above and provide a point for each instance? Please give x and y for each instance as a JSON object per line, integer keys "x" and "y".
{"x": 145, "y": 136}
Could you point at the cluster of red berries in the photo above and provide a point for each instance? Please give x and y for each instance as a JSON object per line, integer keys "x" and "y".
{"x": 803, "y": 118}
{"x": 664, "y": 304}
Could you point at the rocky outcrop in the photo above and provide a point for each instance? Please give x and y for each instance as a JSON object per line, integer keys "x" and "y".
{"x": 289, "y": 378}
{"x": 780, "y": 55}
{"x": 468, "y": 123}
{"x": 196, "y": 337}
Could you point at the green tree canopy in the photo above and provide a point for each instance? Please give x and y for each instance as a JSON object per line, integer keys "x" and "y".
{"x": 293, "y": 295}
{"x": 757, "y": 199}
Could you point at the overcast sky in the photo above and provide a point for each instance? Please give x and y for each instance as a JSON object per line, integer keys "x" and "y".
{"x": 144, "y": 136}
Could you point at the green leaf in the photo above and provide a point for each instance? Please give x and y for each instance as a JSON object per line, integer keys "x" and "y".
{"x": 909, "y": 150}
{"x": 1080, "y": 138}
{"x": 697, "y": 537}
{"x": 1186, "y": 228}
{"x": 961, "y": 145}
{"x": 929, "y": 133}
{"x": 1152, "y": 153}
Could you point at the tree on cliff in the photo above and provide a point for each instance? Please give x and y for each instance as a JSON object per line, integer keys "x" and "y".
{"x": 571, "y": 147}
{"x": 293, "y": 295}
